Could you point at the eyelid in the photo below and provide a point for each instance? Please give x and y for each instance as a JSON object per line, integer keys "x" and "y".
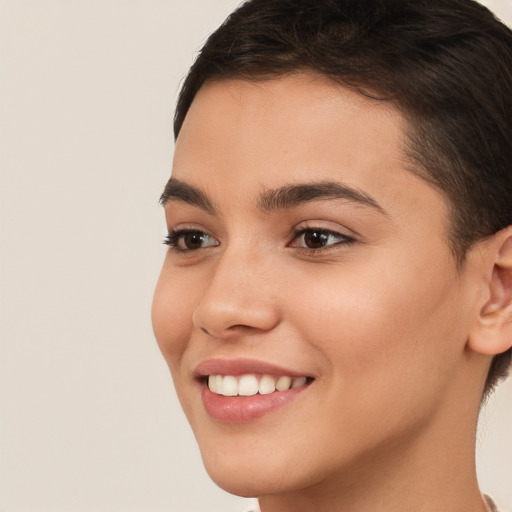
{"x": 327, "y": 226}
{"x": 178, "y": 227}
{"x": 323, "y": 231}
{"x": 345, "y": 239}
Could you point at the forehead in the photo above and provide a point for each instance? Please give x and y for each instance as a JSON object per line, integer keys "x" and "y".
{"x": 240, "y": 136}
{"x": 278, "y": 116}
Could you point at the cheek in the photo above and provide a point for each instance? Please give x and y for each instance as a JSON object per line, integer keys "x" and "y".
{"x": 380, "y": 324}
{"x": 383, "y": 343}
{"x": 171, "y": 315}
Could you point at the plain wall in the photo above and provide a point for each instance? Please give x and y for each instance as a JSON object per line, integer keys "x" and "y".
{"x": 88, "y": 417}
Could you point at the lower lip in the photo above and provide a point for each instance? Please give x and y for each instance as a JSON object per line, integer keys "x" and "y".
{"x": 244, "y": 409}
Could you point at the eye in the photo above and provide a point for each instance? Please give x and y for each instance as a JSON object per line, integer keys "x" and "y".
{"x": 318, "y": 238}
{"x": 189, "y": 240}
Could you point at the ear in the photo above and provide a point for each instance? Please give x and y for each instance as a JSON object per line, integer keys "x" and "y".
{"x": 492, "y": 332}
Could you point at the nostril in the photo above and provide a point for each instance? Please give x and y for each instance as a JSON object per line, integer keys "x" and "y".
{"x": 220, "y": 316}
{"x": 233, "y": 329}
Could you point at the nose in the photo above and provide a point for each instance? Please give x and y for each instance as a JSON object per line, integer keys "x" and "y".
{"x": 239, "y": 298}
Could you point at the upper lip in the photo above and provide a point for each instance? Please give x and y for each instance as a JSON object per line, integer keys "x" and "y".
{"x": 241, "y": 367}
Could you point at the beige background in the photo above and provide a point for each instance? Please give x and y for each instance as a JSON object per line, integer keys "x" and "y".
{"x": 88, "y": 418}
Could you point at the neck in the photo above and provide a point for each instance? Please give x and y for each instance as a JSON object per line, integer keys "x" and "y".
{"x": 433, "y": 469}
{"x": 406, "y": 485}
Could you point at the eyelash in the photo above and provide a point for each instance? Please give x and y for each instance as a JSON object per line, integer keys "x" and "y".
{"x": 344, "y": 240}
{"x": 173, "y": 239}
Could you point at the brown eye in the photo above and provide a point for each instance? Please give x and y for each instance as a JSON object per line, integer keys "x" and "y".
{"x": 190, "y": 240}
{"x": 318, "y": 239}
{"x": 315, "y": 239}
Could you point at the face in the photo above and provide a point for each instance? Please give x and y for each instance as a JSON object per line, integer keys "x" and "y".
{"x": 304, "y": 255}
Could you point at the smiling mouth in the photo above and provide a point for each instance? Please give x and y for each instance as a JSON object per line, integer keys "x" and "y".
{"x": 251, "y": 385}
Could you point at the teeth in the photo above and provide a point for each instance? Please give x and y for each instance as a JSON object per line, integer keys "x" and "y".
{"x": 283, "y": 383}
{"x": 229, "y": 386}
{"x": 300, "y": 381}
{"x": 248, "y": 385}
{"x": 267, "y": 385}
{"x": 218, "y": 383}
{"x": 215, "y": 384}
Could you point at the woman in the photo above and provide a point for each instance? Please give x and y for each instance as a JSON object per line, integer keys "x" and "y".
{"x": 336, "y": 300}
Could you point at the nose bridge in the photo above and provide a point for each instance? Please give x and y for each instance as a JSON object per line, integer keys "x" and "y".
{"x": 239, "y": 293}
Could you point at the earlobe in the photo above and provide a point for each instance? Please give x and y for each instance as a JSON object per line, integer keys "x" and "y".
{"x": 492, "y": 332}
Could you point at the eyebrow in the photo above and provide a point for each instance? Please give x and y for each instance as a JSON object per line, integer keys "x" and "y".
{"x": 293, "y": 195}
{"x": 176, "y": 190}
{"x": 288, "y": 196}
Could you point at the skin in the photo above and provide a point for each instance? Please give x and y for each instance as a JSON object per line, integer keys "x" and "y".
{"x": 383, "y": 323}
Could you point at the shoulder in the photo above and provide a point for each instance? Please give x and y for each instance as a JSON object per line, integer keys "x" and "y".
{"x": 490, "y": 504}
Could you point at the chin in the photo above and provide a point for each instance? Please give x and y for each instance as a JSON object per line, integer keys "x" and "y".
{"x": 235, "y": 473}
{"x": 247, "y": 484}
{"x": 249, "y": 477}
{"x": 243, "y": 487}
